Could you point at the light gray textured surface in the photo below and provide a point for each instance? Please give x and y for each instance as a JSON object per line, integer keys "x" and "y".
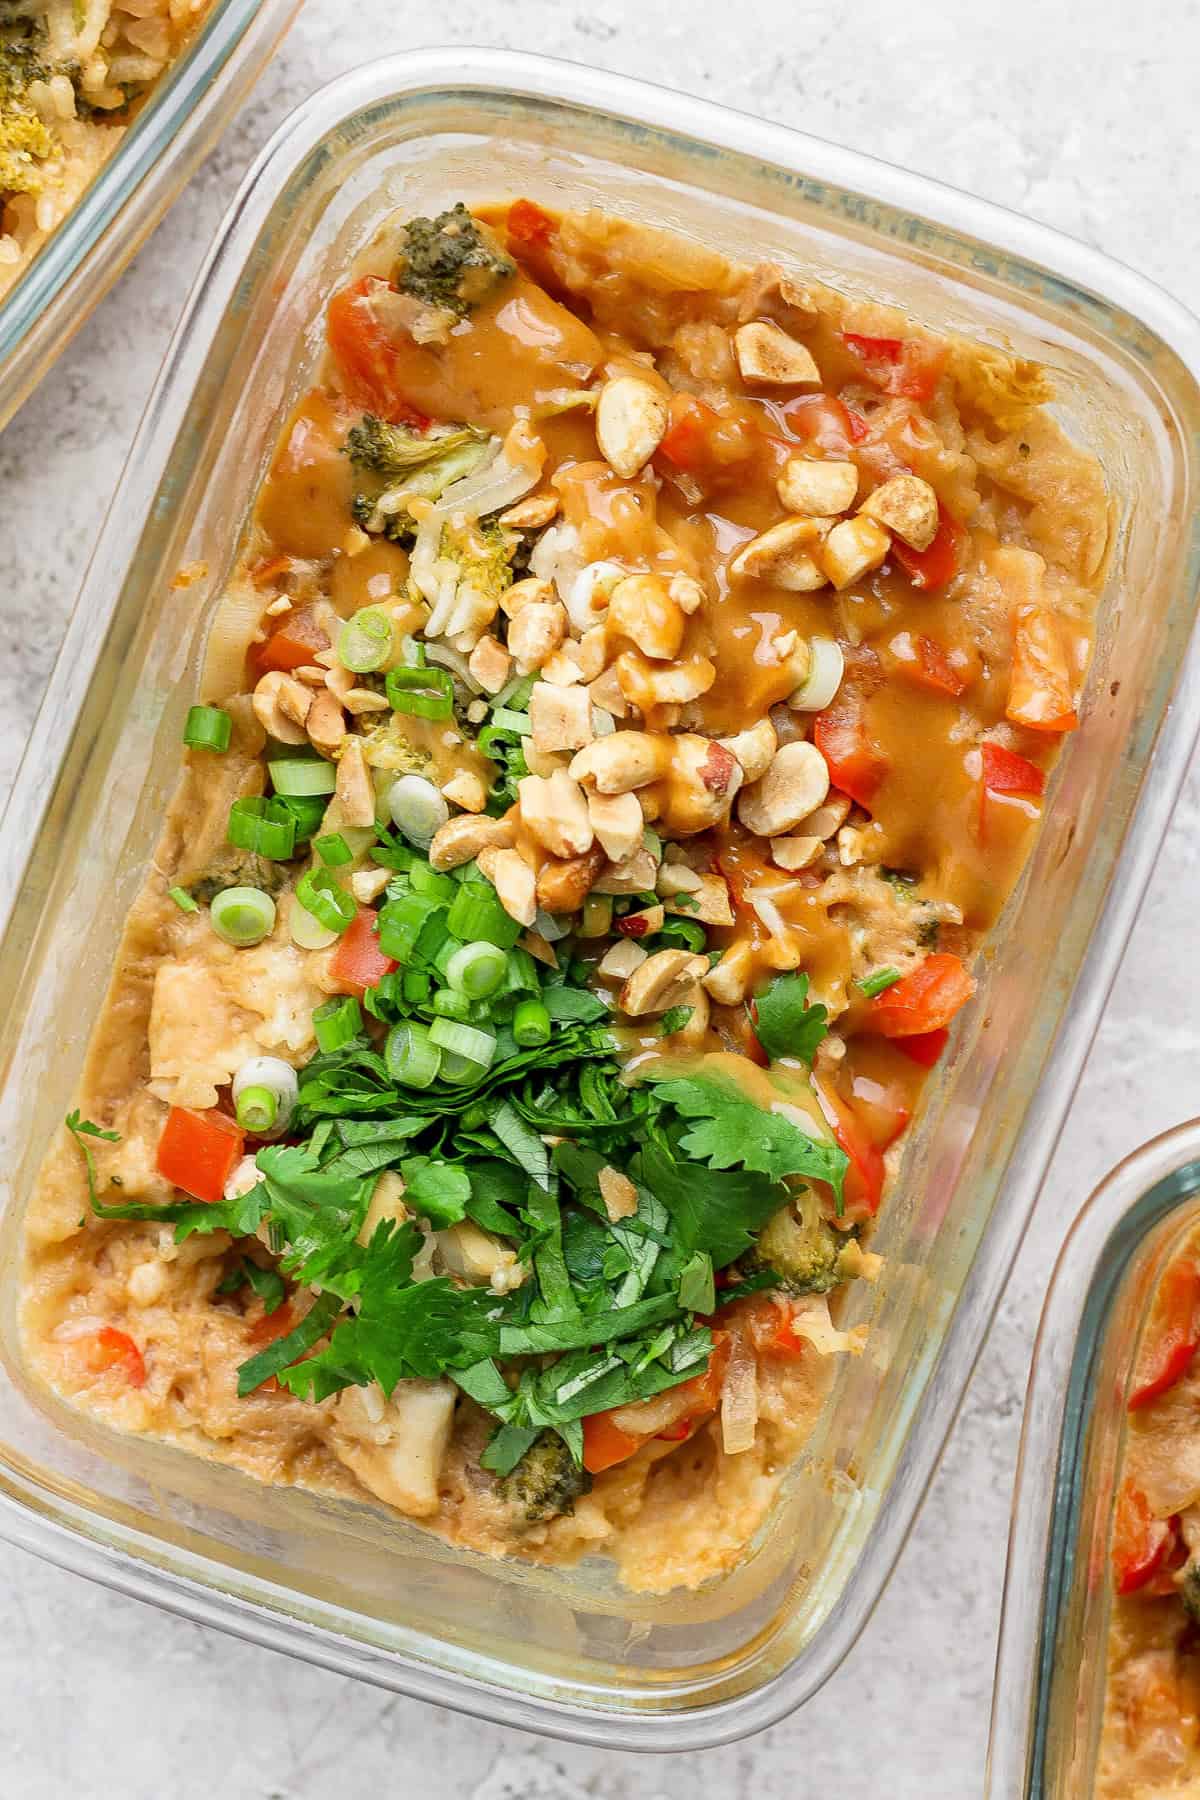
{"x": 1087, "y": 126}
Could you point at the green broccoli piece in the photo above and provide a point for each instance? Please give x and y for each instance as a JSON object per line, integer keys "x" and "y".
{"x": 26, "y": 141}
{"x": 545, "y": 1483}
{"x": 391, "y": 461}
{"x": 451, "y": 262}
{"x": 804, "y": 1251}
{"x": 231, "y": 867}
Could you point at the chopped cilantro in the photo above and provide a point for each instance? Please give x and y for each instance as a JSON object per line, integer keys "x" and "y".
{"x": 784, "y": 1021}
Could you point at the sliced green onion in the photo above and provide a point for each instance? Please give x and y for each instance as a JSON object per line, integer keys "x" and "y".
{"x": 333, "y": 850}
{"x": 321, "y": 894}
{"x": 460, "y": 1069}
{"x": 401, "y": 922}
{"x": 415, "y": 986}
{"x": 335, "y": 1022}
{"x": 597, "y": 916}
{"x": 520, "y": 973}
{"x": 307, "y": 812}
{"x": 264, "y": 826}
{"x": 877, "y": 983}
{"x": 504, "y": 719}
{"x": 827, "y": 665}
{"x": 423, "y": 693}
{"x": 277, "y": 1079}
{"x": 531, "y": 1024}
{"x": 412, "y": 1058}
{"x": 366, "y": 641}
{"x": 434, "y": 886}
{"x": 257, "y": 1109}
{"x": 207, "y": 728}
{"x": 303, "y": 776}
{"x": 476, "y": 914}
{"x": 516, "y": 692}
{"x": 448, "y": 1003}
{"x": 242, "y": 916}
{"x": 183, "y": 899}
{"x": 477, "y": 969}
{"x": 306, "y": 932}
{"x": 464, "y": 1040}
{"x": 417, "y": 809}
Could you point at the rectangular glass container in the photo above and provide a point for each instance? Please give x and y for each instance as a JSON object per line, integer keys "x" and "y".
{"x": 1048, "y": 1702}
{"x": 181, "y": 121}
{"x": 570, "y": 1652}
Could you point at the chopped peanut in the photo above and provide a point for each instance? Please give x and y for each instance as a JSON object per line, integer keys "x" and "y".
{"x": 555, "y": 810}
{"x": 490, "y": 664}
{"x": 536, "y": 633}
{"x": 281, "y": 705}
{"x": 852, "y": 548}
{"x": 753, "y": 748}
{"x": 661, "y": 982}
{"x": 618, "y": 1194}
{"x": 622, "y": 959}
{"x": 460, "y": 840}
{"x": 514, "y": 882}
{"x": 617, "y": 823}
{"x": 906, "y": 505}
{"x": 563, "y": 886}
{"x": 355, "y": 789}
{"x": 728, "y": 981}
{"x": 631, "y": 422}
{"x": 794, "y": 853}
{"x": 622, "y": 761}
{"x": 642, "y": 610}
{"x": 708, "y": 903}
{"x": 531, "y": 513}
{"x": 765, "y": 353}
{"x": 466, "y": 789}
{"x": 795, "y": 785}
{"x": 325, "y": 724}
{"x": 561, "y": 717}
{"x": 521, "y": 593}
{"x": 785, "y": 556}
{"x": 819, "y": 488}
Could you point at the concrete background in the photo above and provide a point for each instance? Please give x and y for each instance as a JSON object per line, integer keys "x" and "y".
{"x": 1088, "y": 126}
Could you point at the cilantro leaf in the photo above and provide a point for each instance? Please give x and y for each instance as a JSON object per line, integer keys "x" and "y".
{"x": 711, "y": 1211}
{"x": 785, "y": 1023}
{"x": 730, "y": 1131}
{"x": 437, "y": 1190}
{"x": 268, "y": 1284}
{"x": 275, "y": 1358}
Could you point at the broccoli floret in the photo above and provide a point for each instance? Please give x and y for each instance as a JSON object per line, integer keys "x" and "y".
{"x": 394, "y": 462}
{"x": 805, "y": 1251}
{"x": 545, "y": 1483}
{"x": 26, "y": 141}
{"x": 451, "y": 261}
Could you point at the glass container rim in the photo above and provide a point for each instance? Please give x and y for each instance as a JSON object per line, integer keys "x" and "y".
{"x": 1086, "y": 279}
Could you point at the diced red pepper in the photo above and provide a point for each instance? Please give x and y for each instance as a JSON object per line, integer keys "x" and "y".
{"x": 293, "y": 644}
{"x": 1004, "y": 771}
{"x": 605, "y": 1444}
{"x": 905, "y": 366}
{"x": 701, "y": 442}
{"x": 923, "y": 1047}
{"x": 1040, "y": 694}
{"x": 940, "y": 563}
{"x": 882, "y": 1108}
{"x": 109, "y": 1348}
{"x": 826, "y": 422}
{"x": 358, "y": 963}
{"x": 863, "y": 1185}
{"x": 198, "y": 1151}
{"x": 856, "y": 765}
{"x": 924, "y": 1001}
{"x": 1140, "y": 1542}
{"x": 931, "y": 668}
{"x": 528, "y": 226}
{"x": 367, "y": 354}
{"x": 1172, "y": 1336}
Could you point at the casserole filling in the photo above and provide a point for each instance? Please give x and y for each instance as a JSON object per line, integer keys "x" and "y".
{"x": 1150, "y": 1742}
{"x": 72, "y": 74}
{"x": 629, "y": 712}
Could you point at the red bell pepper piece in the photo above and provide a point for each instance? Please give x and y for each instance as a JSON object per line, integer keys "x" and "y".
{"x": 856, "y": 765}
{"x": 863, "y": 1186}
{"x": 924, "y": 1001}
{"x": 198, "y": 1151}
{"x": 940, "y": 563}
{"x": 1040, "y": 694}
{"x": 1172, "y": 1336}
{"x": 605, "y": 1443}
{"x": 826, "y": 422}
{"x": 1140, "y": 1542}
{"x": 358, "y": 963}
{"x": 923, "y": 1047}
{"x": 904, "y": 366}
{"x": 109, "y": 1348}
{"x": 702, "y": 443}
{"x": 529, "y": 228}
{"x": 293, "y": 644}
{"x": 1006, "y": 772}
{"x": 930, "y": 667}
{"x": 367, "y": 354}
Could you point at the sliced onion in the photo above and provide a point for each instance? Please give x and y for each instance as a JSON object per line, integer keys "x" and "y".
{"x": 550, "y": 928}
{"x": 71, "y": 1329}
{"x": 307, "y": 932}
{"x": 739, "y": 1401}
{"x": 825, "y": 674}
{"x": 455, "y": 661}
{"x": 765, "y": 900}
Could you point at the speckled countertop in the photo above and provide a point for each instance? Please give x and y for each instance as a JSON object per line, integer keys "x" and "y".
{"x": 1090, "y": 127}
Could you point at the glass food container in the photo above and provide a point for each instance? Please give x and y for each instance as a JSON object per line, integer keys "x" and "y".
{"x": 570, "y": 1652}
{"x": 183, "y": 116}
{"x": 1048, "y": 1701}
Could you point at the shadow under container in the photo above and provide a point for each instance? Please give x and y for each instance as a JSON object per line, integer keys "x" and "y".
{"x": 180, "y": 121}
{"x": 1048, "y": 1703}
{"x": 570, "y": 1652}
